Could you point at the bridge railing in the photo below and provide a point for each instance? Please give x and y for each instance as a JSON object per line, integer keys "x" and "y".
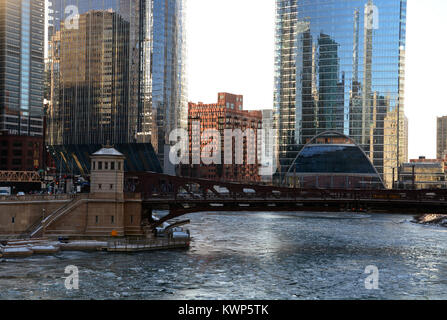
{"x": 158, "y": 186}
{"x": 37, "y": 197}
{"x": 310, "y": 194}
{"x": 146, "y": 244}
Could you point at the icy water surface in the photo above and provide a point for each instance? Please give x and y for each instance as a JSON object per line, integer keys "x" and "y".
{"x": 254, "y": 256}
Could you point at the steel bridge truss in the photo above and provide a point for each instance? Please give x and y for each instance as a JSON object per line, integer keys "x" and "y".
{"x": 186, "y": 195}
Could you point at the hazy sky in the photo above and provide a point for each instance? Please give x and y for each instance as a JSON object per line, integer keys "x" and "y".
{"x": 231, "y": 49}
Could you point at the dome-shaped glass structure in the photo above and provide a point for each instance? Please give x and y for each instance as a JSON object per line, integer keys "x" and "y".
{"x": 332, "y": 160}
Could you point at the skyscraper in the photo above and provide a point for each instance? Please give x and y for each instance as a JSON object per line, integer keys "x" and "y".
{"x": 339, "y": 66}
{"x": 441, "y": 137}
{"x": 22, "y": 30}
{"x": 117, "y": 72}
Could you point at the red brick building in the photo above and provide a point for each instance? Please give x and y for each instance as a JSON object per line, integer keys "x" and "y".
{"x": 20, "y": 153}
{"x": 227, "y": 113}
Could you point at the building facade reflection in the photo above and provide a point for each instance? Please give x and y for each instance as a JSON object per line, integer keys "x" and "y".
{"x": 117, "y": 72}
{"x": 339, "y": 65}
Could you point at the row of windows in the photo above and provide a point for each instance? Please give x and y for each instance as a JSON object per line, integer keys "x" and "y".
{"x": 100, "y": 165}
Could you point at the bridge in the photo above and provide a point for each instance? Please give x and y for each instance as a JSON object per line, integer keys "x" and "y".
{"x": 182, "y": 196}
{"x": 20, "y": 176}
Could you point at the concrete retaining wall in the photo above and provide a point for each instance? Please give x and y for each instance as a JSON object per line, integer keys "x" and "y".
{"x": 88, "y": 215}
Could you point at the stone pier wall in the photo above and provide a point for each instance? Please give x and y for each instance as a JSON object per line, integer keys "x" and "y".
{"x": 88, "y": 215}
{"x": 17, "y": 214}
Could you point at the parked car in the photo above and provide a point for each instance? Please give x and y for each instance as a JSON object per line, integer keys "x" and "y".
{"x": 20, "y": 194}
{"x": 5, "y": 191}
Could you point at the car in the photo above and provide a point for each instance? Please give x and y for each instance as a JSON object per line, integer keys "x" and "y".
{"x": 20, "y": 194}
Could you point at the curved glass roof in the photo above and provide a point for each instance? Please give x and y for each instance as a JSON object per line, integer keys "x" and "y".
{"x": 333, "y": 158}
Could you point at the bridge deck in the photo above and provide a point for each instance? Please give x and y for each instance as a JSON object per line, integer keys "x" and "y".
{"x": 186, "y": 195}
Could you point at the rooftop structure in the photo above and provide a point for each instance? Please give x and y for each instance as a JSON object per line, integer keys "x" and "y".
{"x": 332, "y": 160}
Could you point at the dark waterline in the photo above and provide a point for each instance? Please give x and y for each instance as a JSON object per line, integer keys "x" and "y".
{"x": 254, "y": 256}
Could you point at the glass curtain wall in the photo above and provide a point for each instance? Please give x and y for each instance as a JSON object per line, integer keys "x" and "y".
{"x": 117, "y": 70}
{"x": 22, "y": 66}
{"x": 339, "y": 65}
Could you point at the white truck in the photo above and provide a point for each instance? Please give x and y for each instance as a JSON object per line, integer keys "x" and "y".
{"x": 5, "y": 191}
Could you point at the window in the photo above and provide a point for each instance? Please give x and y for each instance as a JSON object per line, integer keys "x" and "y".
{"x": 106, "y": 166}
{"x": 131, "y": 219}
{"x": 97, "y": 219}
{"x": 113, "y": 219}
{"x": 100, "y": 165}
{"x": 94, "y": 165}
{"x": 13, "y": 220}
{"x": 111, "y": 187}
{"x": 112, "y": 166}
{"x": 119, "y": 165}
{"x": 99, "y": 186}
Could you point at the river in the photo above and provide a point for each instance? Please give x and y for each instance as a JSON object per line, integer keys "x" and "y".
{"x": 254, "y": 256}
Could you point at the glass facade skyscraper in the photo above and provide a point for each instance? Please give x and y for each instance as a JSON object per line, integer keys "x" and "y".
{"x": 22, "y": 29}
{"x": 339, "y": 66}
{"x": 117, "y": 71}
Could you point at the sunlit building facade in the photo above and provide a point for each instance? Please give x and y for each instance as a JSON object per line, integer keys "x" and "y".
{"x": 423, "y": 173}
{"x": 118, "y": 72}
{"x": 441, "y": 137}
{"x": 226, "y": 114}
{"x": 339, "y": 66}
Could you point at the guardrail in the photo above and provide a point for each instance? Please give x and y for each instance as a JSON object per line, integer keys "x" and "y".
{"x": 386, "y": 195}
{"x": 37, "y": 197}
{"x": 129, "y": 245}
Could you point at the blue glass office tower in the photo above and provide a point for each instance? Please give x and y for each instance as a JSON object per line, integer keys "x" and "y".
{"x": 339, "y": 66}
{"x": 117, "y": 71}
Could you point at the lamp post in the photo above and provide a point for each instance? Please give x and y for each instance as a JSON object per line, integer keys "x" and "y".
{"x": 43, "y": 224}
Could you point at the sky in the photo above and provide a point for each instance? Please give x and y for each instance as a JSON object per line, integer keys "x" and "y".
{"x": 231, "y": 49}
